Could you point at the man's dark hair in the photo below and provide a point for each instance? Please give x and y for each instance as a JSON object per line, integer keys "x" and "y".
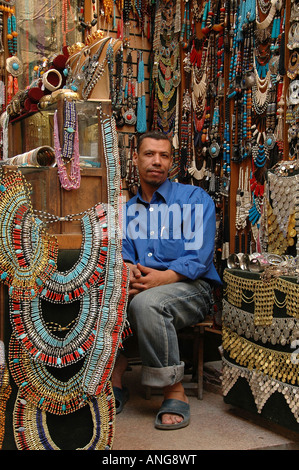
{"x": 157, "y": 135}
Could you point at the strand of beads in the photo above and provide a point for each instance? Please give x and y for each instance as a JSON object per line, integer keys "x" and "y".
{"x": 13, "y": 64}
{"x": 12, "y": 34}
{"x": 70, "y": 151}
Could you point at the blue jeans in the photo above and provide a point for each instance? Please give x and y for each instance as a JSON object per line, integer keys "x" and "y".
{"x": 156, "y": 314}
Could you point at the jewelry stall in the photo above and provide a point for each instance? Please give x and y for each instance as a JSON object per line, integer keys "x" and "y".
{"x": 79, "y": 80}
{"x": 260, "y": 329}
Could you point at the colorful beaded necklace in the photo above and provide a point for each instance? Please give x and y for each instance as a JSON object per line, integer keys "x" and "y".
{"x": 64, "y": 287}
{"x": 31, "y": 431}
{"x": 23, "y": 276}
{"x": 34, "y": 334}
{"x": 39, "y": 386}
{"x": 111, "y": 320}
{"x": 70, "y": 151}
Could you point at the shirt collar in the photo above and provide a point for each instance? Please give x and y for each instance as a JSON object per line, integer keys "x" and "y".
{"x": 163, "y": 191}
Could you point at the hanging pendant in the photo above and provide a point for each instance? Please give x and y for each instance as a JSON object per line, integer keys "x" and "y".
{"x": 130, "y": 117}
{"x": 274, "y": 65}
{"x": 270, "y": 141}
{"x": 249, "y": 79}
{"x": 176, "y": 79}
{"x": 14, "y": 66}
{"x": 214, "y": 149}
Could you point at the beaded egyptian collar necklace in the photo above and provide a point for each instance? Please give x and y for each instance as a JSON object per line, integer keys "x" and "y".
{"x": 23, "y": 275}
{"x": 31, "y": 431}
{"x": 64, "y": 287}
{"x": 39, "y": 386}
{"x": 38, "y": 339}
{"x": 112, "y": 318}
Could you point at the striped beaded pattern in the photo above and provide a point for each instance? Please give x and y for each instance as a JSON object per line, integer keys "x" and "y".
{"x": 39, "y": 386}
{"x": 112, "y": 318}
{"x": 32, "y": 331}
{"x": 5, "y": 391}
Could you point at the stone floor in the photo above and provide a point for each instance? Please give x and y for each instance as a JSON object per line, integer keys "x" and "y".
{"x": 214, "y": 425}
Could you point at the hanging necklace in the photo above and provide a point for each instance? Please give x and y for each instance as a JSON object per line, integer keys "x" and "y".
{"x": 93, "y": 70}
{"x": 112, "y": 317}
{"x": 39, "y": 386}
{"x": 31, "y": 431}
{"x": 34, "y": 334}
{"x": 260, "y": 152}
{"x": 130, "y": 94}
{"x": 141, "y": 125}
{"x": 96, "y": 339}
{"x": 23, "y": 277}
{"x": 132, "y": 177}
{"x": 243, "y": 200}
{"x": 167, "y": 63}
{"x": 13, "y": 64}
{"x": 65, "y": 287}
{"x": 70, "y": 151}
{"x": 268, "y": 20}
{"x": 186, "y": 138}
{"x": 186, "y": 29}
{"x": 116, "y": 90}
{"x": 73, "y": 67}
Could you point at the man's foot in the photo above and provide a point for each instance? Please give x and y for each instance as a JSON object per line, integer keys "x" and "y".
{"x": 176, "y": 392}
{"x": 175, "y": 410}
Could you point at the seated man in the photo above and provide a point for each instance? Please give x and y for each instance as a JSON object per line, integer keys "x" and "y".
{"x": 169, "y": 247}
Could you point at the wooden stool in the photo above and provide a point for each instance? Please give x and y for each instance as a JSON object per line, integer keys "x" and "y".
{"x": 198, "y": 356}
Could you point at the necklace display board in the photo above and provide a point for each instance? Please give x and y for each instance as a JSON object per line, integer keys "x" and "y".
{"x": 61, "y": 364}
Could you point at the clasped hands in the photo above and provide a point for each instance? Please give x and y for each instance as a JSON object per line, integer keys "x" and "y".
{"x": 143, "y": 277}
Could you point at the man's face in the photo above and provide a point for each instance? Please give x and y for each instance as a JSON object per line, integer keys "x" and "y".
{"x": 154, "y": 160}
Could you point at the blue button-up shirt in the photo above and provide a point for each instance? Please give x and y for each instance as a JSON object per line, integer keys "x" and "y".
{"x": 176, "y": 231}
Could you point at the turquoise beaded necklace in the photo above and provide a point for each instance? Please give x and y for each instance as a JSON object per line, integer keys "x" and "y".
{"x": 43, "y": 346}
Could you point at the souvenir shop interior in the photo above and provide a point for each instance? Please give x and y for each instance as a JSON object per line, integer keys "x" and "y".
{"x": 79, "y": 81}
